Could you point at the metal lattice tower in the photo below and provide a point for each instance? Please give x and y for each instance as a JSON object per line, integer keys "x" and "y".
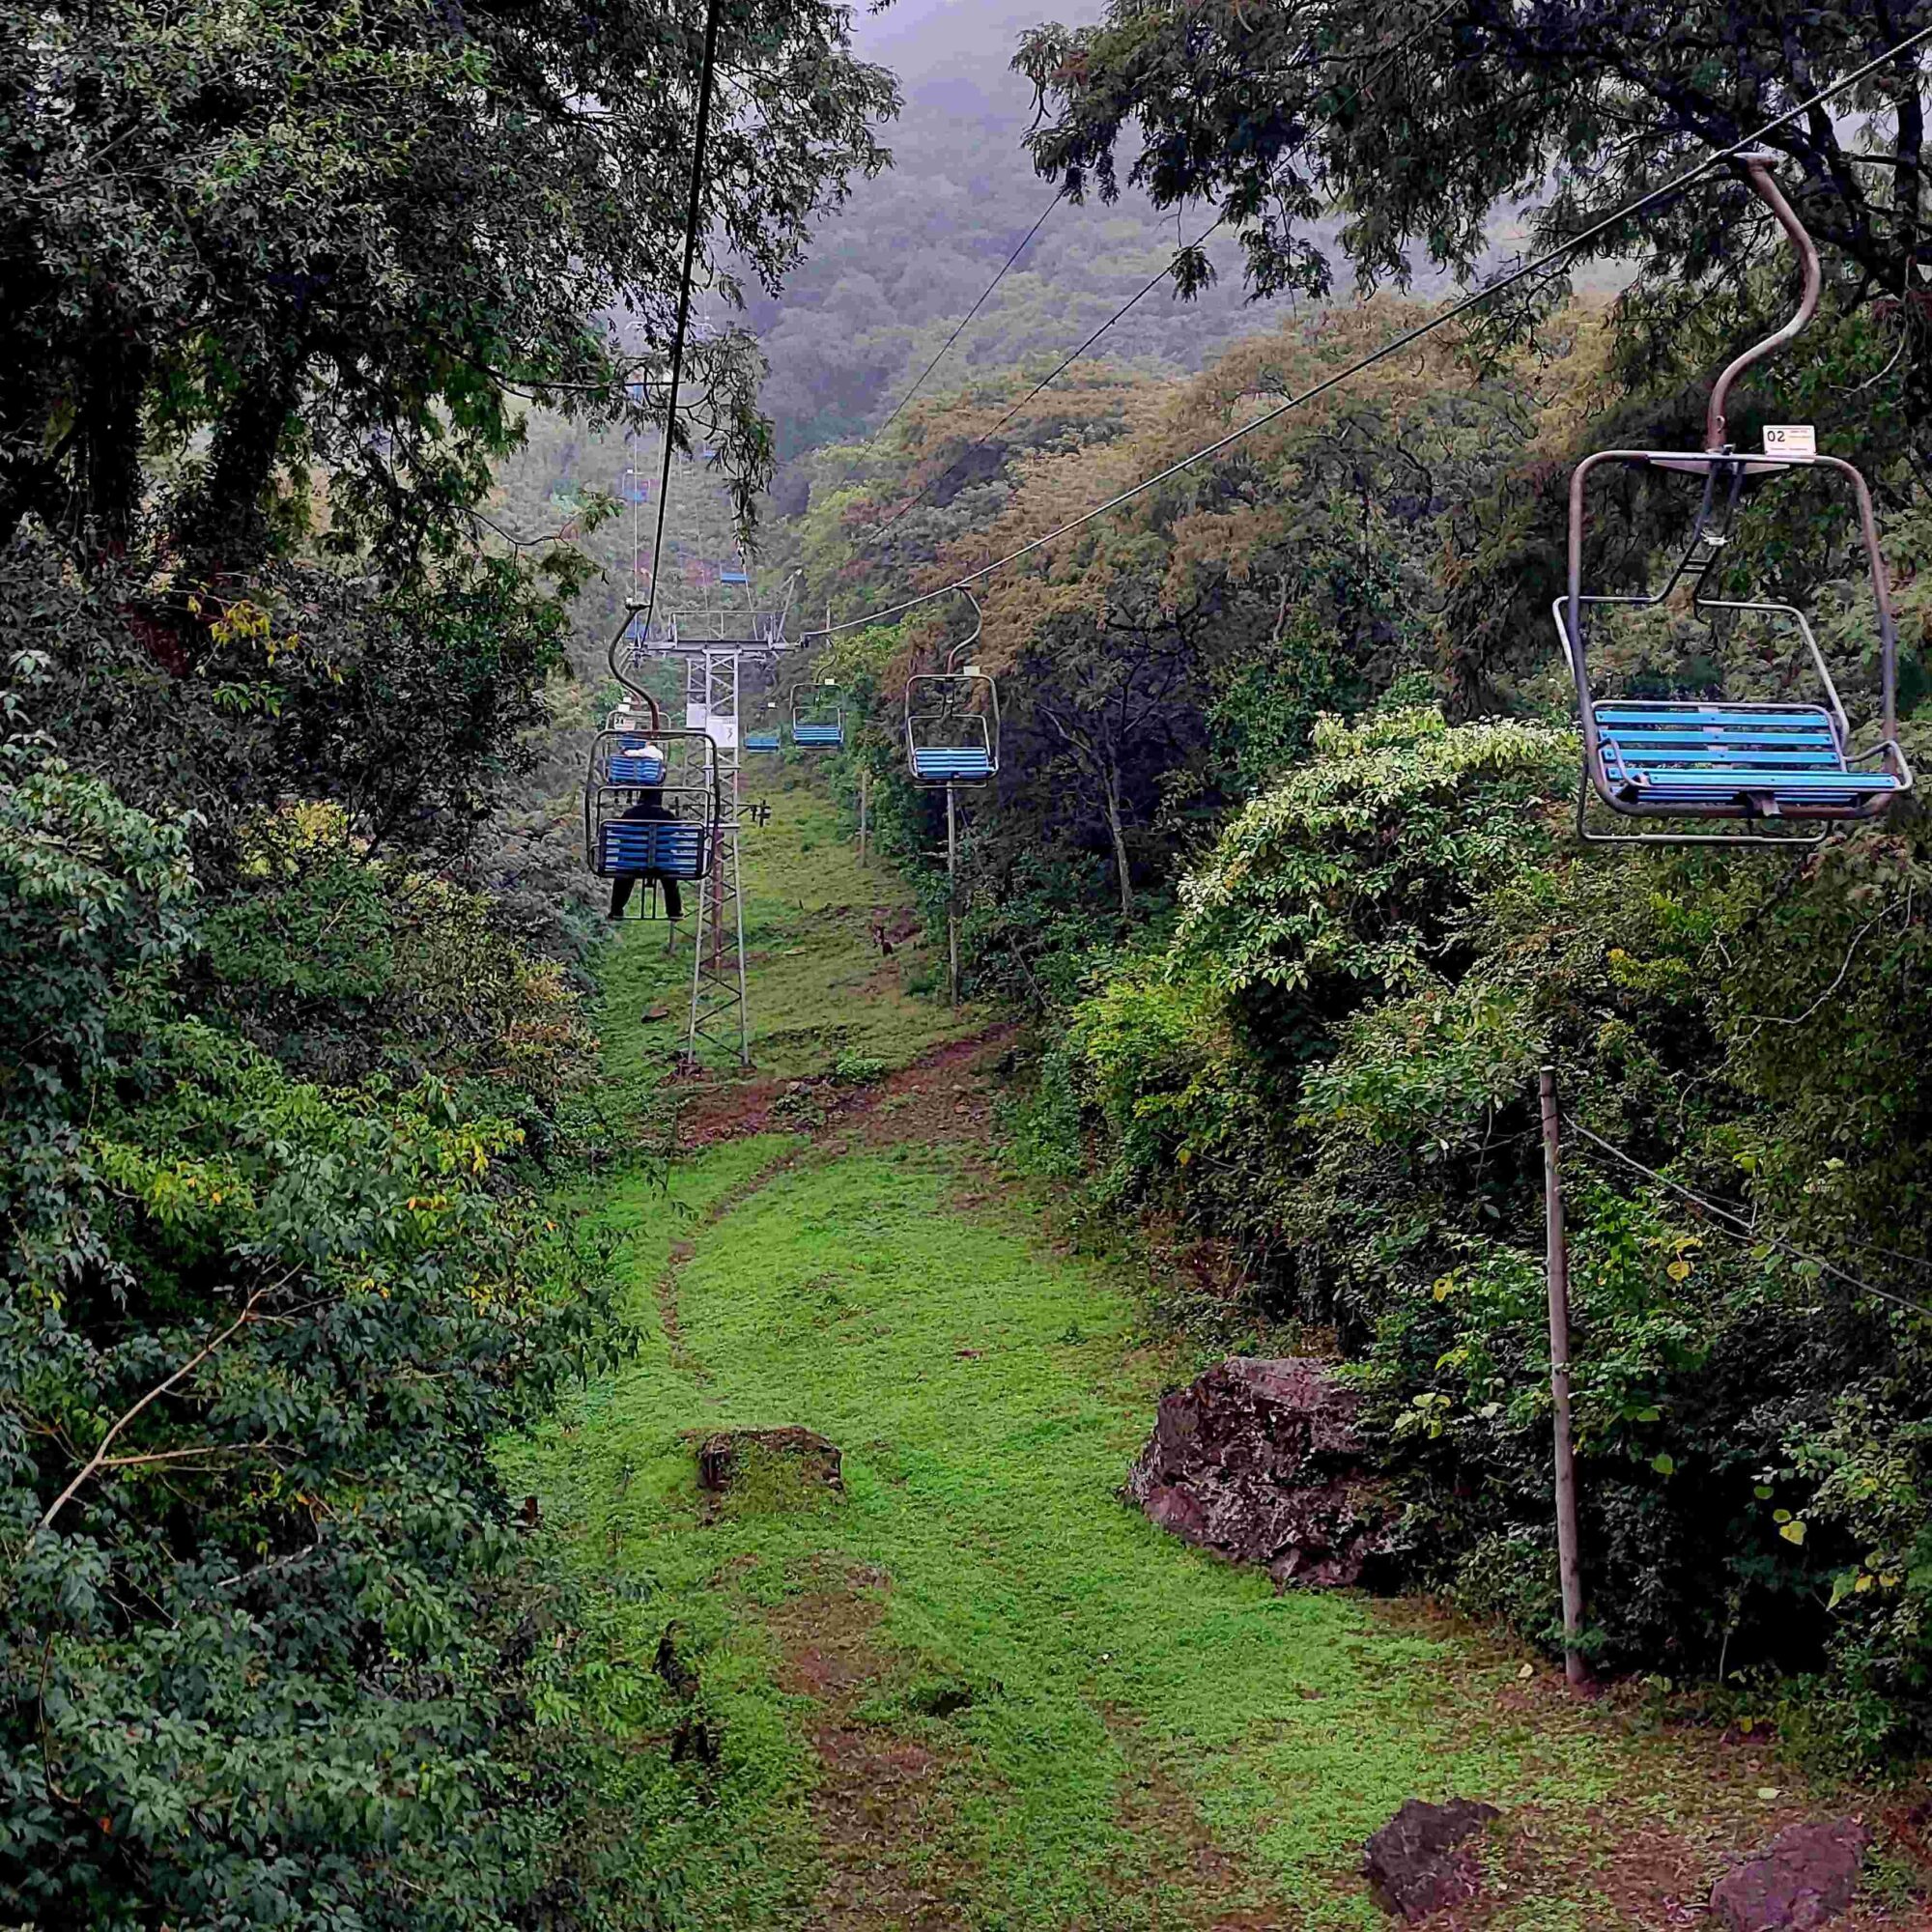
{"x": 720, "y": 1021}
{"x": 712, "y": 646}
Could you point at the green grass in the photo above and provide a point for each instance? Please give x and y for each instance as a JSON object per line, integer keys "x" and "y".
{"x": 816, "y": 985}
{"x": 845, "y": 1296}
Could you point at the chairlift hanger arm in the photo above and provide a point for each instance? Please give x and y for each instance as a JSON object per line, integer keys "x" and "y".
{"x": 1757, "y": 166}
{"x": 979, "y": 627}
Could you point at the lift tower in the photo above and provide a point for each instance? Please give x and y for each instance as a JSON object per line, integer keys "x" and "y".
{"x": 711, "y": 647}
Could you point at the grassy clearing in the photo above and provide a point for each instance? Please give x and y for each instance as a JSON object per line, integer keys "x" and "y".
{"x": 817, "y": 984}
{"x": 988, "y": 1394}
{"x": 976, "y": 1689}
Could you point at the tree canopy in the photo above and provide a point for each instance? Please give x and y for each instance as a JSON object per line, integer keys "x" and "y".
{"x": 289, "y": 1025}
{"x": 247, "y": 245}
{"x": 1428, "y": 124}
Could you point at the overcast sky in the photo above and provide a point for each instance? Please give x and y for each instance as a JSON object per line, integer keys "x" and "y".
{"x": 919, "y": 38}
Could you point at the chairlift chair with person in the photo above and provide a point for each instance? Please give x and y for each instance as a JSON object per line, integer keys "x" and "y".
{"x": 652, "y": 805}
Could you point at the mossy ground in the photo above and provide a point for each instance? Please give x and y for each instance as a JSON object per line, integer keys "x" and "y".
{"x": 977, "y": 1689}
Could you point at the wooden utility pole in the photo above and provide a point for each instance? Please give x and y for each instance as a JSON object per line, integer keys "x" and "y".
{"x": 1569, "y": 1566}
{"x": 951, "y": 901}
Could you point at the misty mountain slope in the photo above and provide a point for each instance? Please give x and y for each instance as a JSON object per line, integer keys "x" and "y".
{"x": 893, "y": 274}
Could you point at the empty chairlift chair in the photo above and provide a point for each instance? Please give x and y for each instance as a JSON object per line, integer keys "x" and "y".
{"x": 953, "y": 722}
{"x": 1703, "y": 757}
{"x": 759, "y": 703}
{"x": 761, "y": 733}
{"x": 818, "y": 731}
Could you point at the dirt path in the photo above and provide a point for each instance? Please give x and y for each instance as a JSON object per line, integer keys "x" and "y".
{"x": 944, "y": 1090}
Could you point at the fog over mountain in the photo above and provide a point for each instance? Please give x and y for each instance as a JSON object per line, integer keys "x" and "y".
{"x": 890, "y": 274}
{"x": 894, "y": 272}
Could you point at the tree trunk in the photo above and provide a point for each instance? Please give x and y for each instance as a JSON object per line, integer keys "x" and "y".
{"x": 225, "y": 529}
{"x": 1110, "y": 793}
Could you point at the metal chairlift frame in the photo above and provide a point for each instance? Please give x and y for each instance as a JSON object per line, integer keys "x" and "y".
{"x": 947, "y": 694}
{"x": 838, "y": 722}
{"x": 689, "y": 786}
{"x": 1606, "y": 771}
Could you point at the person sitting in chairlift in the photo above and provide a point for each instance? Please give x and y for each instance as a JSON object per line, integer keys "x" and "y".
{"x": 648, "y": 809}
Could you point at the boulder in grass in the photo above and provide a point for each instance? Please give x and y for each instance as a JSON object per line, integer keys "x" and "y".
{"x": 1261, "y": 1461}
{"x": 1804, "y": 1878}
{"x": 1421, "y": 1860}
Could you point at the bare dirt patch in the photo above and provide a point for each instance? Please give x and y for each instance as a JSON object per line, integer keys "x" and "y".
{"x": 664, "y": 1291}
{"x": 883, "y": 1819}
{"x": 946, "y": 1097}
{"x": 729, "y": 1111}
{"x": 942, "y": 1094}
{"x": 1203, "y": 1886}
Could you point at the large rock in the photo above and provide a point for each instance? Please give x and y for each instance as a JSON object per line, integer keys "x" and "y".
{"x": 810, "y": 1459}
{"x": 1802, "y": 1879}
{"x": 1421, "y": 1862}
{"x": 1261, "y": 1460}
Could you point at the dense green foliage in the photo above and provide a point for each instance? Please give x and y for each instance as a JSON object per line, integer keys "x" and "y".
{"x": 350, "y": 237}
{"x": 261, "y": 1662}
{"x": 289, "y": 1032}
{"x": 1392, "y": 1171}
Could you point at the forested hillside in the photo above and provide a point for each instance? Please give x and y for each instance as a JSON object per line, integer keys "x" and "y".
{"x": 281, "y": 1075}
{"x": 1280, "y": 862}
{"x": 469, "y": 1463}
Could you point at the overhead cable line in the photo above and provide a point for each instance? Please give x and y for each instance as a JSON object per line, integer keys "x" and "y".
{"x": 1220, "y": 221}
{"x": 1046, "y": 382}
{"x": 1393, "y": 347}
{"x": 959, "y": 329}
{"x": 1736, "y": 1224}
{"x": 694, "y": 210}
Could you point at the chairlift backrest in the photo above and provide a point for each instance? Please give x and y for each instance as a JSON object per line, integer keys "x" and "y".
{"x": 1703, "y": 757}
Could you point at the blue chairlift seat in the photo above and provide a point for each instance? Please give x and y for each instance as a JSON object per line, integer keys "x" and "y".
{"x": 951, "y": 761}
{"x": 818, "y": 737}
{"x": 734, "y": 576}
{"x": 761, "y": 741}
{"x": 632, "y": 767}
{"x": 635, "y": 850}
{"x": 1761, "y": 757}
